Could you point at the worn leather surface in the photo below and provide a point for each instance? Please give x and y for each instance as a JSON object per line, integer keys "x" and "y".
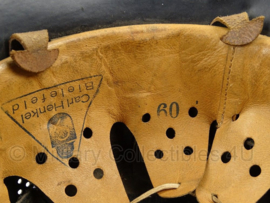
{"x": 247, "y": 95}
{"x": 242, "y": 30}
{"x": 121, "y": 74}
{"x": 65, "y": 17}
{"x": 34, "y": 57}
{"x": 107, "y": 76}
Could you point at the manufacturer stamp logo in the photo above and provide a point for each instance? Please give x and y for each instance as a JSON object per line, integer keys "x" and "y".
{"x": 62, "y": 134}
{"x": 47, "y": 114}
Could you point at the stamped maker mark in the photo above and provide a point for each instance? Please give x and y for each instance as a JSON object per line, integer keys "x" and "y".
{"x": 48, "y": 114}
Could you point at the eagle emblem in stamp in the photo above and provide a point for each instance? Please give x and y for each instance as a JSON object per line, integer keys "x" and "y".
{"x": 62, "y": 134}
{"x": 47, "y": 115}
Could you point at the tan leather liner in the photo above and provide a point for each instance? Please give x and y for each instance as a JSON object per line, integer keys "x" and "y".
{"x": 248, "y": 96}
{"x": 118, "y": 74}
{"x": 183, "y": 76}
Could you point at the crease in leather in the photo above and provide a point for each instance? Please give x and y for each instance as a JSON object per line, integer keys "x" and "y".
{"x": 109, "y": 81}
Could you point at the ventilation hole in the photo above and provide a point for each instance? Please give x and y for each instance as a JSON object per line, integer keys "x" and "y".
{"x": 226, "y": 157}
{"x": 22, "y": 190}
{"x": 19, "y": 181}
{"x": 74, "y": 162}
{"x": 159, "y": 154}
{"x": 133, "y": 172}
{"x": 170, "y": 133}
{"x": 41, "y": 158}
{"x": 188, "y": 151}
{"x": 71, "y": 190}
{"x": 87, "y": 133}
{"x": 212, "y": 133}
{"x": 249, "y": 143}
{"x": 146, "y": 118}
{"x": 16, "y": 45}
{"x": 98, "y": 173}
{"x": 193, "y": 112}
{"x": 235, "y": 117}
{"x": 255, "y": 171}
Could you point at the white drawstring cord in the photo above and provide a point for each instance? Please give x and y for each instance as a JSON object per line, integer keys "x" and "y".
{"x": 167, "y": 186}
{"x": 215, "y": 199}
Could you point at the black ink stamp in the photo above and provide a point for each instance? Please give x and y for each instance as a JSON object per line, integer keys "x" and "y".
{"x": 51, "y": 102}
{"x": 62, "y": 134}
